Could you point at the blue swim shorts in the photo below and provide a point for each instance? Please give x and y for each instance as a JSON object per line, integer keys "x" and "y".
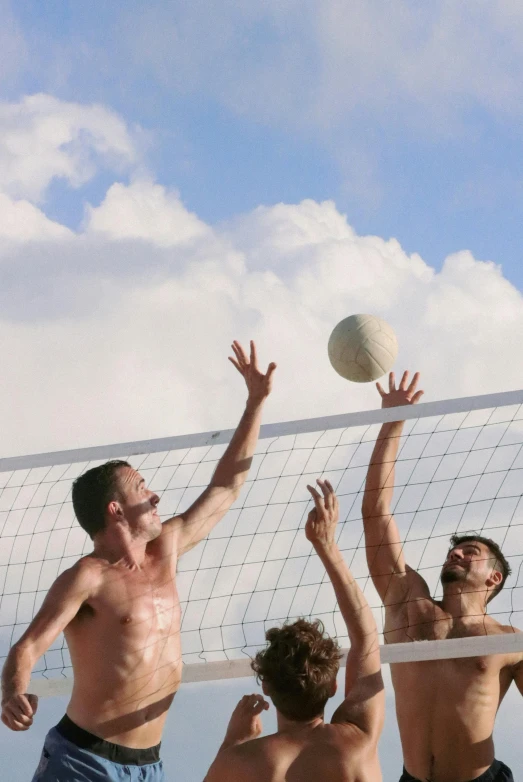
{"x": 72, "y": 754}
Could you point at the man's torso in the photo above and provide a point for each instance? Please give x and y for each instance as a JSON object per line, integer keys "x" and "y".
{"x": 126, "y": 652}
{"x": 446, "y": 704}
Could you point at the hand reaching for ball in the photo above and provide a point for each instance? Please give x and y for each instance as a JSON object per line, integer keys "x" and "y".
{"x": 405, "y": 394}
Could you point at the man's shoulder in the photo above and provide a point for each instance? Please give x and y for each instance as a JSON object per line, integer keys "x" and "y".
{"x": 242, "y": 761}
{"x": 86, "y": 572}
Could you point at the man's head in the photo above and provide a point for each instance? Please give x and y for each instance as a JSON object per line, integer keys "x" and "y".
{"x": 115, "y": 492}
{"x": 298, "y": 668}
{"x": 477, "y": 563}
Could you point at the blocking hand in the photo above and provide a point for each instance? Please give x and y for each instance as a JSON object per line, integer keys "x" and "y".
{"x": 18, "y": 711}
{"x": 259, "y": 385}
{"x": 323, "y": 518}
{"x": 404, "y": 394}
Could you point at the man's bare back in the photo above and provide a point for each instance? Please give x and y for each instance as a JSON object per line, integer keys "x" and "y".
{"x": 446, "y": 704}
{"x": 305, "y": 748}
{"x": 331, "y": 753}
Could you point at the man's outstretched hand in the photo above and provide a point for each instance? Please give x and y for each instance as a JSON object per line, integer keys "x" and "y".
{"x": 259, "y": 384}
{"x": 405, "y": 394}
{"x": 322, "y": 520}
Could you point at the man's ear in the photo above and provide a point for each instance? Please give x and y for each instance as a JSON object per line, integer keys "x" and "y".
{"x": 334, "y": 688}
{"x": 495, "y": 578}
{"x": 265, "y": 689}
{"x": 114, "y": 511}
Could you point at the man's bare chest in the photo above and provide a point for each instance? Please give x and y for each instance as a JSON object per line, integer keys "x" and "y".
{"x": 139, "y": 605}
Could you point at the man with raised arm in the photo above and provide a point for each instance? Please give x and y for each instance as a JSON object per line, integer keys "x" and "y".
{"x": 298, "y": 671}
{"x": 445, "y": 709}
{"x": 120, "y": 612}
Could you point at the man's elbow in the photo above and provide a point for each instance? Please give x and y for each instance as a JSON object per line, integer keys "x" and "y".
{"x": 372, "y": 509}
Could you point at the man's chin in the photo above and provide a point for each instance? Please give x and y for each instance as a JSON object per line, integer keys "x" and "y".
{"x": 451, "y": 575}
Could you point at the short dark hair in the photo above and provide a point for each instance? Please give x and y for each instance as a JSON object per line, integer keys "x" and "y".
{"x": 299, "y": 667}
{"x": 92, "y": 491}
{"x": 497, "y": 554}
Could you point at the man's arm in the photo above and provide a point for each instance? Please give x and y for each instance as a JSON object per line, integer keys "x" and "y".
{"x": 392, "y": 577}
{"x": 518, "y": 675}
{"x": 364, "y": 704}
{"x": 190, "y": 527}
{"x": 72, "y": 588}
{"x": 245, "y": 724}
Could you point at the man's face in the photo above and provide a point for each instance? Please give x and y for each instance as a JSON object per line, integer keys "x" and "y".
{"x": 469, "y": 563}
{"x": 139, "y": 504}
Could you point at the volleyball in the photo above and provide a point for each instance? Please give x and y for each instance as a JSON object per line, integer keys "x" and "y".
{"x": 362, "y": 348}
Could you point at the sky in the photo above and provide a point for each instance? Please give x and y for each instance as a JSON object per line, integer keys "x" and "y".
{"x": 177, "y": 175}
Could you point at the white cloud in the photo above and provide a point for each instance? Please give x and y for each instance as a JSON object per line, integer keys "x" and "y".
{"x": 146, "y": 211}
{"x": 43, "y": 138}
{"x": 110, "y": 336}
{"x": 22, "y": 222}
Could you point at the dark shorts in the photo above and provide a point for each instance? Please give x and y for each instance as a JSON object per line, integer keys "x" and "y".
{"x": 72, "y": 754}
{"x": 498, "y": 772}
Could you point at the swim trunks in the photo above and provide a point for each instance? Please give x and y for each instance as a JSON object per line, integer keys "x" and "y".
{"x": 72, "y": 754}
{"x": 498, "y": 772}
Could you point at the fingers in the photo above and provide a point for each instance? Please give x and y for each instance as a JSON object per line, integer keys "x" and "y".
{"x": 254, "y": 356}
{"x": 381, "y": 391}
{"x": 235, "y": 363}
{"x": 316, "y": 496}
{"x": 413, "y": 383}
{"x": 33, "y": 702}
{"x": 253, "y": 704}
{"x": 417, "y": 397}
{"x": 240, "y": 353}
{"x": 403, "y": 382}
{"x": 392, "y": 381}
{"x": 329, "y": 495}
{"x": 270, "y": 370}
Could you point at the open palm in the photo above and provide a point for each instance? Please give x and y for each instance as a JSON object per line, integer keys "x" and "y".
{"x": 405, "y": 394}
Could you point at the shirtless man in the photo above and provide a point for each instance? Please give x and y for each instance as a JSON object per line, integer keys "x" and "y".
{"x": 120, "y": 613}
{"x": 298, "y": 673}
{"x": 445, "y": 709}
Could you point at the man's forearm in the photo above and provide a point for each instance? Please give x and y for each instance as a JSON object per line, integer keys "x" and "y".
{"x": 16, "y": 673}
{"x": 233, "y": 467}
{"x": 354, "y": 608}
{"x": 379, "y": 486}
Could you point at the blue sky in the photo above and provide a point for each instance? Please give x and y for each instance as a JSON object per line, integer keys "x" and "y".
{"x": 171, "y": 179}
{"x": 440, "y": 173}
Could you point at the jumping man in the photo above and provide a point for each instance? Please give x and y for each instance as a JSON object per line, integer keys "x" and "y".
{"x": 120, "y": 612}
{"x": 446, "y": 709}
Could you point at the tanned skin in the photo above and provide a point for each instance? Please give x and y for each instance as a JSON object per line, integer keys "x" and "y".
{"x": 446, "y": 709}
{"x": 119, "y": 607}
{"x": 307, "y": 751}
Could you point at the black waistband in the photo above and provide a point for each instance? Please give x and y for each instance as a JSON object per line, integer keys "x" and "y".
{"x": 116, "y": 753}
{"x": 488, "y": 776}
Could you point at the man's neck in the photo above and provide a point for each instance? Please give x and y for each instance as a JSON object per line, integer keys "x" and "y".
{"x": 288, "y": 726}
{"x": 463, "y": 605}
{"x": 117, "y": 547}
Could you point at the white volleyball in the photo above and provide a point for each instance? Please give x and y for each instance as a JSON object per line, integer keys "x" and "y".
{"x": 362, "y": 348}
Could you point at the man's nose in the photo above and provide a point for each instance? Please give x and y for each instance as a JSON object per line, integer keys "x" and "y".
{"x": 154, "y": 500}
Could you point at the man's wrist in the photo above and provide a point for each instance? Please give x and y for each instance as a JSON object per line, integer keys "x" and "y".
{"x": 327, "y": 550}
{"x": 254, "y": 403}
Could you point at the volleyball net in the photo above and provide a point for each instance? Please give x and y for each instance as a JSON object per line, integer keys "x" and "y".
{"x": 459, "y": 470}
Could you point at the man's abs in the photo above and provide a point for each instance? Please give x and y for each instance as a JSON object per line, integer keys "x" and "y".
{"x": 126, "y": 656}
{"x": 441, "y": 705}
